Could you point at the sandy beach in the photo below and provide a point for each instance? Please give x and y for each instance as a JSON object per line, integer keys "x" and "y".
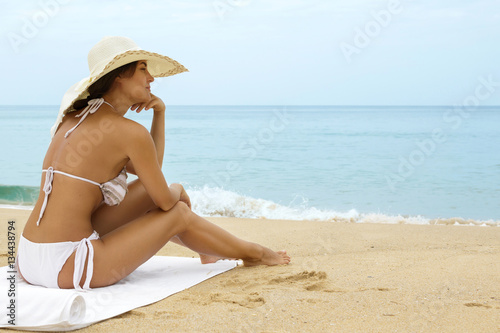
{"x": 344, "y": 277}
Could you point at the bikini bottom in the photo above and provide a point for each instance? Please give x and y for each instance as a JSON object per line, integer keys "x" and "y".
{"x": 40, "y": 263}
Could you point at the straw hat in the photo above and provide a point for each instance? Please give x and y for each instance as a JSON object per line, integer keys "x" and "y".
{"x": 108, "y": 54}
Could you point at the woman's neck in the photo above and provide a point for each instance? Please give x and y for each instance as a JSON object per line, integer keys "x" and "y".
{"x": 120, "y": 104}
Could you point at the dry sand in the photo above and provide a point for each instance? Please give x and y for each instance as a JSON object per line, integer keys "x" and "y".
{"x": 343, "y": 278}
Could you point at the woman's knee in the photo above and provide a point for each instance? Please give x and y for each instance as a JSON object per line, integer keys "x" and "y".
{"x": 183, "y": 213}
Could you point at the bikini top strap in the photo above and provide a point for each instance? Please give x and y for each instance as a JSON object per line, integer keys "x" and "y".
{"x": 76, "y": 177}
{"x": 94, "y": 105}
{"x": 47, "y": 187}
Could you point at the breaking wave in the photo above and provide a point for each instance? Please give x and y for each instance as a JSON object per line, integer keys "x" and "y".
{"x": 217, "y": 202}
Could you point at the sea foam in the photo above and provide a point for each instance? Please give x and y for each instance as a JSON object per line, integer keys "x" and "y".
{"x": 217, "y": 202}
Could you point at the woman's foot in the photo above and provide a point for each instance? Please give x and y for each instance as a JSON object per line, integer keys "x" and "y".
{"x": 269, "y": 258}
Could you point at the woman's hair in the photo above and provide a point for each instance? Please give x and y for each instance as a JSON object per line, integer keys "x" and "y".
{"x": 101, "y": 86}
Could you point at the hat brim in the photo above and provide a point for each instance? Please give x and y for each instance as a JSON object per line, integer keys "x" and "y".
{"x": 158, "y": 66}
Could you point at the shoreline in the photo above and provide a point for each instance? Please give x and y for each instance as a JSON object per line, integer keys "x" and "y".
{"x": 344, "y": 277}
{"x": 370, "y": 218}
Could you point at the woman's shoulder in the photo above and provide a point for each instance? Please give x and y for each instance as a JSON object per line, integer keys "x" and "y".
{"x": 126, "y": 130}
{"x": 124, "y": 126}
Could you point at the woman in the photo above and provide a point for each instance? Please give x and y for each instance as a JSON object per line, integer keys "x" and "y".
{"x": 88, "y": 233}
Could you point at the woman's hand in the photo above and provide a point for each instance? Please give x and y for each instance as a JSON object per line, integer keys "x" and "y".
{"x": 155, "y": 102}
{"x": 183, "y": 196}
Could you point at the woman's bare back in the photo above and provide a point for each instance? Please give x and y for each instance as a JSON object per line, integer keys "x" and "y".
{"x": 93, "y": 151}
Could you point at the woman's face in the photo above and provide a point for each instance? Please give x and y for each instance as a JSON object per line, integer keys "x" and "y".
{"x": 137, "y": 87}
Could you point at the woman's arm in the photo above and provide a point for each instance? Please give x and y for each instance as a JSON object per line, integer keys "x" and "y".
{"x": 157, "y": 131}
{"x": 152, "y": 146}
{"x": 158, "y": 134}
{"x": 140, "y": 148}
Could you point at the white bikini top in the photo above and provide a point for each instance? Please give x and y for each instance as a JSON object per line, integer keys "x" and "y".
{"x": 113, "y": 191}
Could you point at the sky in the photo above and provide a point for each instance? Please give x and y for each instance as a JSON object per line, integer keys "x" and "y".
{"x": 274, "y": 52}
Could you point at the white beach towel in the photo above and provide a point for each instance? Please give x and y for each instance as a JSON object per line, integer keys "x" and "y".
{"x": 46, "y": 309}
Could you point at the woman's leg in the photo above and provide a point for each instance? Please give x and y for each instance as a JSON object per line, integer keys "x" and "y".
{"x": 121, "y": 251}
{"x": 136, "y": 203}
{"x": 204, "y": 258}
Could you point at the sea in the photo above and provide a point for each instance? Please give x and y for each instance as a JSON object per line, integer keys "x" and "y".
{"x": 355, "y": 164}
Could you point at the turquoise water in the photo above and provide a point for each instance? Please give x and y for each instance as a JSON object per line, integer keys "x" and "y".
{"x": 363, "y": 164}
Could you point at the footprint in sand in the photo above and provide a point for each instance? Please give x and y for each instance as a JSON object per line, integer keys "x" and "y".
{"x": 311, "y": 280}
{"x": 305, "y": 275}
{"x": 232, "y": 282}
{"x": 470, "y": 305}
{"x": 250, "y": 301}
{"x": 170, "y": 315}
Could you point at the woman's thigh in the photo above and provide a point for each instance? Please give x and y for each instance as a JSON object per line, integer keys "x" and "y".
{"x": 121, "y": 251}
{"x": 136, "y": 203}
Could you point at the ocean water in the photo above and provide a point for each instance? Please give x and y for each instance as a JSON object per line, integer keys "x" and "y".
{"x": 373, "y": 164}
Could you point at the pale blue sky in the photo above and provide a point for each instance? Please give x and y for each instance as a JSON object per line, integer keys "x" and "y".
{"x": 254, "y": 52}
